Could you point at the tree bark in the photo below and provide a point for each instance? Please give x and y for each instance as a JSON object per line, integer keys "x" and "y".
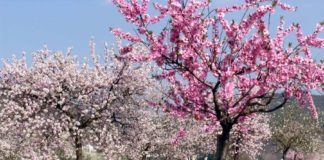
{"x": 222, "y": 141}
{"x": 78, "y": 147}
{"x": 295, "y": 156}
{"x": 236, "y": 154}
{"x": 284, "y": 153}
{"x": 147, "y": 147}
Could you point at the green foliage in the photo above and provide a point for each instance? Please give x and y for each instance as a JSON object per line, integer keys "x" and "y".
{"x": 88, "y": 155}
{"x": 61, "y": 154}
{"x": 294, "y": 129}
{"x": 92, "y": 156}
{"x": 10, "y": 156}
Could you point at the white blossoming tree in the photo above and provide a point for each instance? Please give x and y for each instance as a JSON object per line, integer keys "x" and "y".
{"x": 166, "y": 137}
{"x": 55, "y": 101}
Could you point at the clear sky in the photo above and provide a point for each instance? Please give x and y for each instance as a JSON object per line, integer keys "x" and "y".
{"x": 25, "y": 25}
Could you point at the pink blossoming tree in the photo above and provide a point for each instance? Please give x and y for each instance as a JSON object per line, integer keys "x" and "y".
{"x": 220, "y": 70}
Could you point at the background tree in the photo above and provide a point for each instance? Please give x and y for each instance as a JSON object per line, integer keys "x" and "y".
{"x": 294, "y": 131}
{"x": 56, "y": 97}
{"x": 8, "y": 150}
{"x": 248, "y": 138}
{"x": 164, "y": 136}
{"x": 220, "y": 70}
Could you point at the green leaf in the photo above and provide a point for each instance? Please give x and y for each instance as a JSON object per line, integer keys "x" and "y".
{"x": 322, "y": 23}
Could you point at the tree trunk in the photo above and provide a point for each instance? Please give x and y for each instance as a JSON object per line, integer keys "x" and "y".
{"x": 78, "y": 147}
{"x": 222, "y": 141}
{"x": 237, "y": 149}
{"x": 295, "y": 156}
{"x": 147, "y": 147}
{"x": 284, "y": 153}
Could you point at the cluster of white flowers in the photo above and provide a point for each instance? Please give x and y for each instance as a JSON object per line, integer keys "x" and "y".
{"x": 57, "y": 96}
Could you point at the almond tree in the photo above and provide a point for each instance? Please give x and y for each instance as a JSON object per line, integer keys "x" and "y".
{"x": 56, "y": 99}
{"x": 220, "y": 70}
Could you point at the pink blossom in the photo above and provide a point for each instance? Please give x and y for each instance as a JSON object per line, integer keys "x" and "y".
{"x": 181, "y": 133}
{"x": 231, "y": 74}
{"x": 126, "y": 49}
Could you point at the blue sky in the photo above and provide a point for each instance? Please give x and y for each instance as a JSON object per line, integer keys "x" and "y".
{"x": 26, "y": 25}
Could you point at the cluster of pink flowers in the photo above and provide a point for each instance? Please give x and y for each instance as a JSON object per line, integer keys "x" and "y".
{"x": 124, "y": 35}
{"x": 254, "y": 63}
{"x": 181, "y": 133}
{"x": 221, "y": 70}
